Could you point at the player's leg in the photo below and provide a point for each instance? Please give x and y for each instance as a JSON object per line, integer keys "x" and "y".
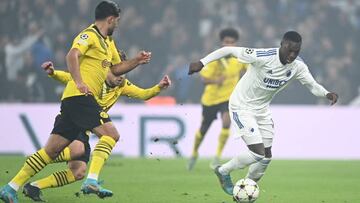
{"x": 34, "y": 164}
{"x": 108, "y": 137}
{"x": 246, "y": 127}
{"x": 80, "y": 153}
{"x": 224, "y": 134}
{"x": 257, "y": 170}
{"x": 208, "y": 116}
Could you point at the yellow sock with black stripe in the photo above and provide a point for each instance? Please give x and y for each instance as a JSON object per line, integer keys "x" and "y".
{"x": 63, "y": 156}
{"x": 198, "y": 139}
{"x": 57, "y": 179}
{"x": 224, "y": 135}
{"x": 100, "y": 154}
{"x": 33, "y": 164}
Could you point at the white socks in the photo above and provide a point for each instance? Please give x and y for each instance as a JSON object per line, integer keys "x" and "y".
{"x": 240, "y": 162}
{"x": 257, "y": 170}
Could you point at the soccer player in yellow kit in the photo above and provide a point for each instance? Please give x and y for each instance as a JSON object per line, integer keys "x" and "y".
{"x": 220, "y": 78}
{"x": 78, "y": 152}
{"x": 91, "y": 56}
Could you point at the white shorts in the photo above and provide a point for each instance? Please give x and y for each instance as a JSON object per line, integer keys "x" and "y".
{"x": 253, "y": 127}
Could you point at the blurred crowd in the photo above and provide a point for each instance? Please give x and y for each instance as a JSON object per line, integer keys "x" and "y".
{"x": 177, "y": 32}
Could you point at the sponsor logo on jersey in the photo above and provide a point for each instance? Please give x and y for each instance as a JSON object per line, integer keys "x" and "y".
{"x": 274, "y": 83}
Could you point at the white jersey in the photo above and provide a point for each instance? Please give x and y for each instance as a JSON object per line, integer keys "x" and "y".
{"x": 265, "y": 76}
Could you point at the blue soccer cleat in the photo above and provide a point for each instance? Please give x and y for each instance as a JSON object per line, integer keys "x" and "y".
{"x": 91, "y": 186}
{"x": 225, "y": 182}
{"x": 8, "y": 194}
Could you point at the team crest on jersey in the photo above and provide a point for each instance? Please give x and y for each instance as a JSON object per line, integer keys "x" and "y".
{"x": 249, "y": 51}
{"x": 105, "y": 63}
{"x": 84, "y": 36}
{"x": 288, "y": 73}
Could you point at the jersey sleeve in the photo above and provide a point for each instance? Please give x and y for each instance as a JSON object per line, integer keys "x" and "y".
{"x": 133, "y": 91}
{"x": 61, "y": 76}
{"x": 305, "y": 78}
{"x": 244, "y": 55}
{"x": 83, "y": 41}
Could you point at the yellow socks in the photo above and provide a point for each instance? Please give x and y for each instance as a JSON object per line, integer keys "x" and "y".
{"x": 224, "y": 135}
{"x": 56, "y": 179}
{"x": 63, "y": 156}
{"x": 198, "y": 139}
{"x": 33, "y": 164}
{"x": 100, "y": 154}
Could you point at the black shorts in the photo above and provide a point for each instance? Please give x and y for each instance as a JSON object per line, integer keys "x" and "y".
{"x": 209, "y": 113}
{"x": 84, "y": 138}
{"x": 78, "y": 114}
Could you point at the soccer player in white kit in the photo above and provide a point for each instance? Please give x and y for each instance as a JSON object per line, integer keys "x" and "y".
{"x": 269, "y": 71}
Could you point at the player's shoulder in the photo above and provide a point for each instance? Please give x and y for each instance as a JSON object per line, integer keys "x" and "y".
{"x": 300, "y": 62}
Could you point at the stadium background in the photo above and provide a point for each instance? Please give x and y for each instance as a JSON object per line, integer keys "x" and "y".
{"x": 177, "y": 32}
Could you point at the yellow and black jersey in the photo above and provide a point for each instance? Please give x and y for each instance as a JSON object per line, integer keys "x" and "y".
{"x": 230, "y": 68}
{"x": 109, "y": 95}
{"x": 98, "y": 54}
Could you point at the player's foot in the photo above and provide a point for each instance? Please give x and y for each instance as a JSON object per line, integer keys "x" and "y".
{"x": 225, "y": 181}
{"x": 8, "y": 194}
{"x": 215, "y": 163}
{"x": 91, "y": 186}
{"x": 32, "y": 192}
{"x": 191, "y": 163}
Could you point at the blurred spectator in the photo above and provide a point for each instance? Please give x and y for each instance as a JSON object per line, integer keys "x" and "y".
{"x": 175, "y": 31}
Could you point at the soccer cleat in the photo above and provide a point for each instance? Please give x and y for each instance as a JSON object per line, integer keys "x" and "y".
{"x": 215, "y": 163}
{"x": 225, "y": 181}
{"x": 91, "y": 186}
{"x": 32, "y": 192}
{"x": 8, "y": 195}
{"x": 191, "y": 163}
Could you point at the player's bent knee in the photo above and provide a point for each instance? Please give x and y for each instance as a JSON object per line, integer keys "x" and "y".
{"x": 79, "y": 174}
{"x": 257, "y": 149}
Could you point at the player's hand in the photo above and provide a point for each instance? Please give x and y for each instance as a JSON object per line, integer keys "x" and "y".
{"x": 195, "y": 67}
{"x": 48, "y": 67}
{"x": 143, "y": 57}
{"x": 333, "y": 97}
{"x": 165, "y": 82}
{"x": 83, "y": 88}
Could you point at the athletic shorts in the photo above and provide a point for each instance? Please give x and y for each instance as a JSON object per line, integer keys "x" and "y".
{"x": 210, "y": 112}
{"x": 84, "y": 138}
{"x": 78, "y": 114}
{"x": 253, "y": 127}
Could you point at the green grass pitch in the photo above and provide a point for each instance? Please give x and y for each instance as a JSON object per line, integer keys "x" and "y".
{"x": 167, "y": 181}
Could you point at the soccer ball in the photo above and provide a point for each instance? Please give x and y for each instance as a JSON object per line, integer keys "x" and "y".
{"x": 245, "y": 191}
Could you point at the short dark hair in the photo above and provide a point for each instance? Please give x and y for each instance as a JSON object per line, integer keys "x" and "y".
{"x": 292, "y": 36}
{"x": 229, "y": 32}
{"x": 105, "y": 9}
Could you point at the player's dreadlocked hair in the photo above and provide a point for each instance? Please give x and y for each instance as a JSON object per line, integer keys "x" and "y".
{"x": 229, "y": 32}
{"x": 105, "y": 9}
{"x": 292, "y": 36}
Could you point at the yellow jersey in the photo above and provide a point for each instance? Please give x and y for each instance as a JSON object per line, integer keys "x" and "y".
{"x": 230, "y": 68}
{"x": 109, "y": 95}
{"x": 98, "y": 54}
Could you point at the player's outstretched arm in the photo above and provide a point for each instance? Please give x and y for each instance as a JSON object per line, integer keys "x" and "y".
{"x": 238, "y": 52}
{"x": 72, "y": 61}
{"x": 333, "y": 97}
{"x": 143, "y": 57}
{"x": 61, "y": 76}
